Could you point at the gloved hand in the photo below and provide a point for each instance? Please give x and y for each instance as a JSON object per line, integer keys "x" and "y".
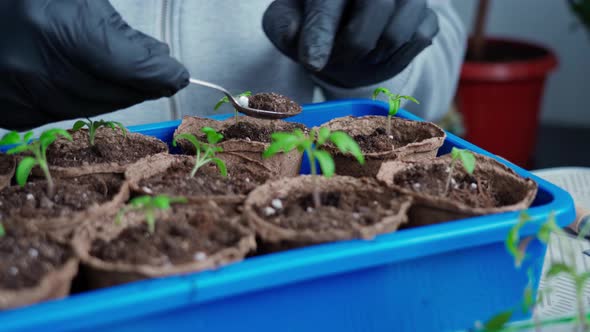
{"x": 351, "y": 43}
{"x": 64, "y": 59}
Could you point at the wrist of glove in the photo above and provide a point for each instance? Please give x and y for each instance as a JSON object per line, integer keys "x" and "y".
{"x": 351, "y": 43}
{"x": 64, "y": 59}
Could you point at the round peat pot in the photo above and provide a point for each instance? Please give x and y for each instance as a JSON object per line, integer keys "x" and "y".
{"x": 245, "y": 141}
{"x": 187, "y": 238}
{"x": 492, "y": 188}
{"x": 409, "y": 141}
{"x": 500, "y": 97}
{"x": 34, "y": 267}
{"x": 284, "y": 215}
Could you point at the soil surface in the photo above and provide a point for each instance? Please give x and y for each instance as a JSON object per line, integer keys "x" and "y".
{"x": 6, "y": 163}
{"x": 339, "y": 210}
{"x": 207, "y": 181}
{"x": 464, "y": 188}
{"x": 379, "y": 141}
{"x": 273, "y": 102}
{"x": 25, "y": 258}
{"x": 75, "y": 194}
{"x": 176, "y": 240}
{"x": 252, "y": 132}
{"x": 109, "y": 146}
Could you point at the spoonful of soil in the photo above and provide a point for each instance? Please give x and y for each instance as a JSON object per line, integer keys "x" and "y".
{"x": 262, "y": 105}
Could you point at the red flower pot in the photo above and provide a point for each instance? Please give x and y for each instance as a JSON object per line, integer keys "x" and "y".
{"x": 499, "y": 97}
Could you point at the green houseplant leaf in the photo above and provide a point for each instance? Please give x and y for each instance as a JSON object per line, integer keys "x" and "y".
{"x": 24, "y": 170}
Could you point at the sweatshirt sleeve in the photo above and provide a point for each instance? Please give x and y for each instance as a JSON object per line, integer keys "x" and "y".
{"x": 431, "y": 77}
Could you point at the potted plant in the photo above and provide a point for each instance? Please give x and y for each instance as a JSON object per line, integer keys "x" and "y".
{"x": 497, "y": 70}
{"x": 203, "y": 174}
{"x": 306, "y": 210}
{"x": 157, "y": 236}
{"x": 385, "y": 138}
{"x": 54, "y": 205}
{"x": 442, "y": 191}
{"x": 245, "y": 138}
{"x": 99, "y": 147}
{"x": 33, "y": 267}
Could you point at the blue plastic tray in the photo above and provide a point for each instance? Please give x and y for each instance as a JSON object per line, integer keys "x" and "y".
{"x": 435, "y": 278}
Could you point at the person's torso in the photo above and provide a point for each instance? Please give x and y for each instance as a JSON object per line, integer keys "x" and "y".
{"x": 218, "y": 41}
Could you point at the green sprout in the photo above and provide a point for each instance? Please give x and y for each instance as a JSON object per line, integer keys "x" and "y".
{"x": 149, "y": 205}
{"x": 39, "y": 150}
{"x": 394, "y": 103}
{"x": 2, "y": 230}
{"x": 225, "y": 100}
{"x": 205, "y": 152}
{"x": 467, "y": 159}
{"x": 286, "y": 142}
{"x": 94, "y": 125}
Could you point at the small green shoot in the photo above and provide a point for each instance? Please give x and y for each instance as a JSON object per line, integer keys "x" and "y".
{"x": 394, "y": 103}
{"x": 467, "y": 159}
{"x": 2, "y": 230}
{"x": 38, "y": 148}
{"x": 149, "y": 205}
{"x": 205, "y": 152}
{"x": 286, "y": 142}
{"x": 94, "y": 125}
{"x": 225, "y": 100}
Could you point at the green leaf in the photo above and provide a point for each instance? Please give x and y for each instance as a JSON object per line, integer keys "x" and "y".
{"x": 28, "y": 137}
{"x": 78, "y": 125}
{"x": 24, "y": 170}
{"x": 245, "y": 94}
{"x": 140, "y": 201}
{"x": 2, "y": 231}
{"x": 394, "y": 105}
{"x": 49, "y": 136}
{"x": 468, "y": 160}
{"x": 513, "y": 238}
{"x": 221, "y": 102}
{"x": 281, "y": 142}
{"x": 161, "y": 202}
{"x": 410, "y": 98}
{"x": 189, "y": 137}
{"x": 323, "y": 135}
{"x": 11, "y": 138}
{"x": 381, "y": 90}
{"x": 220, "y": 165}
{"x": 213, "y": 137}
{"x": 558, "y": 268}
{"x": 19, "y": 149}
{"x": 122, "y": 127}
{"x": 326, "y": 162}
{"x": 528, "y": 301}
{"x": 347, "y": 144}
{"x": 498, "y": 322}
{"x": 550, "y": 226}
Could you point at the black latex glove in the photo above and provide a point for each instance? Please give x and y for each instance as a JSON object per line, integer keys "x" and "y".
{"x": 351, "y": 43}
{"x": 64, "y": 59}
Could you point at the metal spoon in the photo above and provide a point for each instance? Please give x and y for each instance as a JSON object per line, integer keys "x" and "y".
{"x": 255, "y": 113}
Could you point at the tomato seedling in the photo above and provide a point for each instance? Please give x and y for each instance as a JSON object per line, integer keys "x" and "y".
{"x": 205, "y": 152}
{"x": 394, "y": 103}
{"x": 149, "y": 205}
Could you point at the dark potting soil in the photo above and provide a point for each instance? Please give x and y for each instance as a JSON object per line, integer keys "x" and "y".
{"x": 379, "y": 141}
{"x": 176, "y": 240}
{"x": 339, "y": 210}
{"x": 464, "y": 188}
{"x": 6, "y": 163}
{"x": 25, "y": 258}
{"x": 109, "y": 146}
{"x": 207, "y": 181}
{"x": 273, "y": 102}
{"x": 253, "y": 132}
{"x": 75, "y": 194}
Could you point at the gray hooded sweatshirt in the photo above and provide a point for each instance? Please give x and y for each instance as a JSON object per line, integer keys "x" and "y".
{"x": 222, "y": 41}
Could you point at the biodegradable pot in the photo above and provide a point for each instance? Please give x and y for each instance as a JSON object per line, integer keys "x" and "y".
{"x": 95, "y": 195}
{"x": 105, "y": 273}
{"x": 52, "y": 284}
{"x": 422, "y": 141}
{"x": 113, "y": 152}
{"x": 240, "y": 150}
{"x": 173, "y": 177}
{"x": 7, "y": 167}
{"x": 493, "y": 188}
{"x": 351, "y": 208}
